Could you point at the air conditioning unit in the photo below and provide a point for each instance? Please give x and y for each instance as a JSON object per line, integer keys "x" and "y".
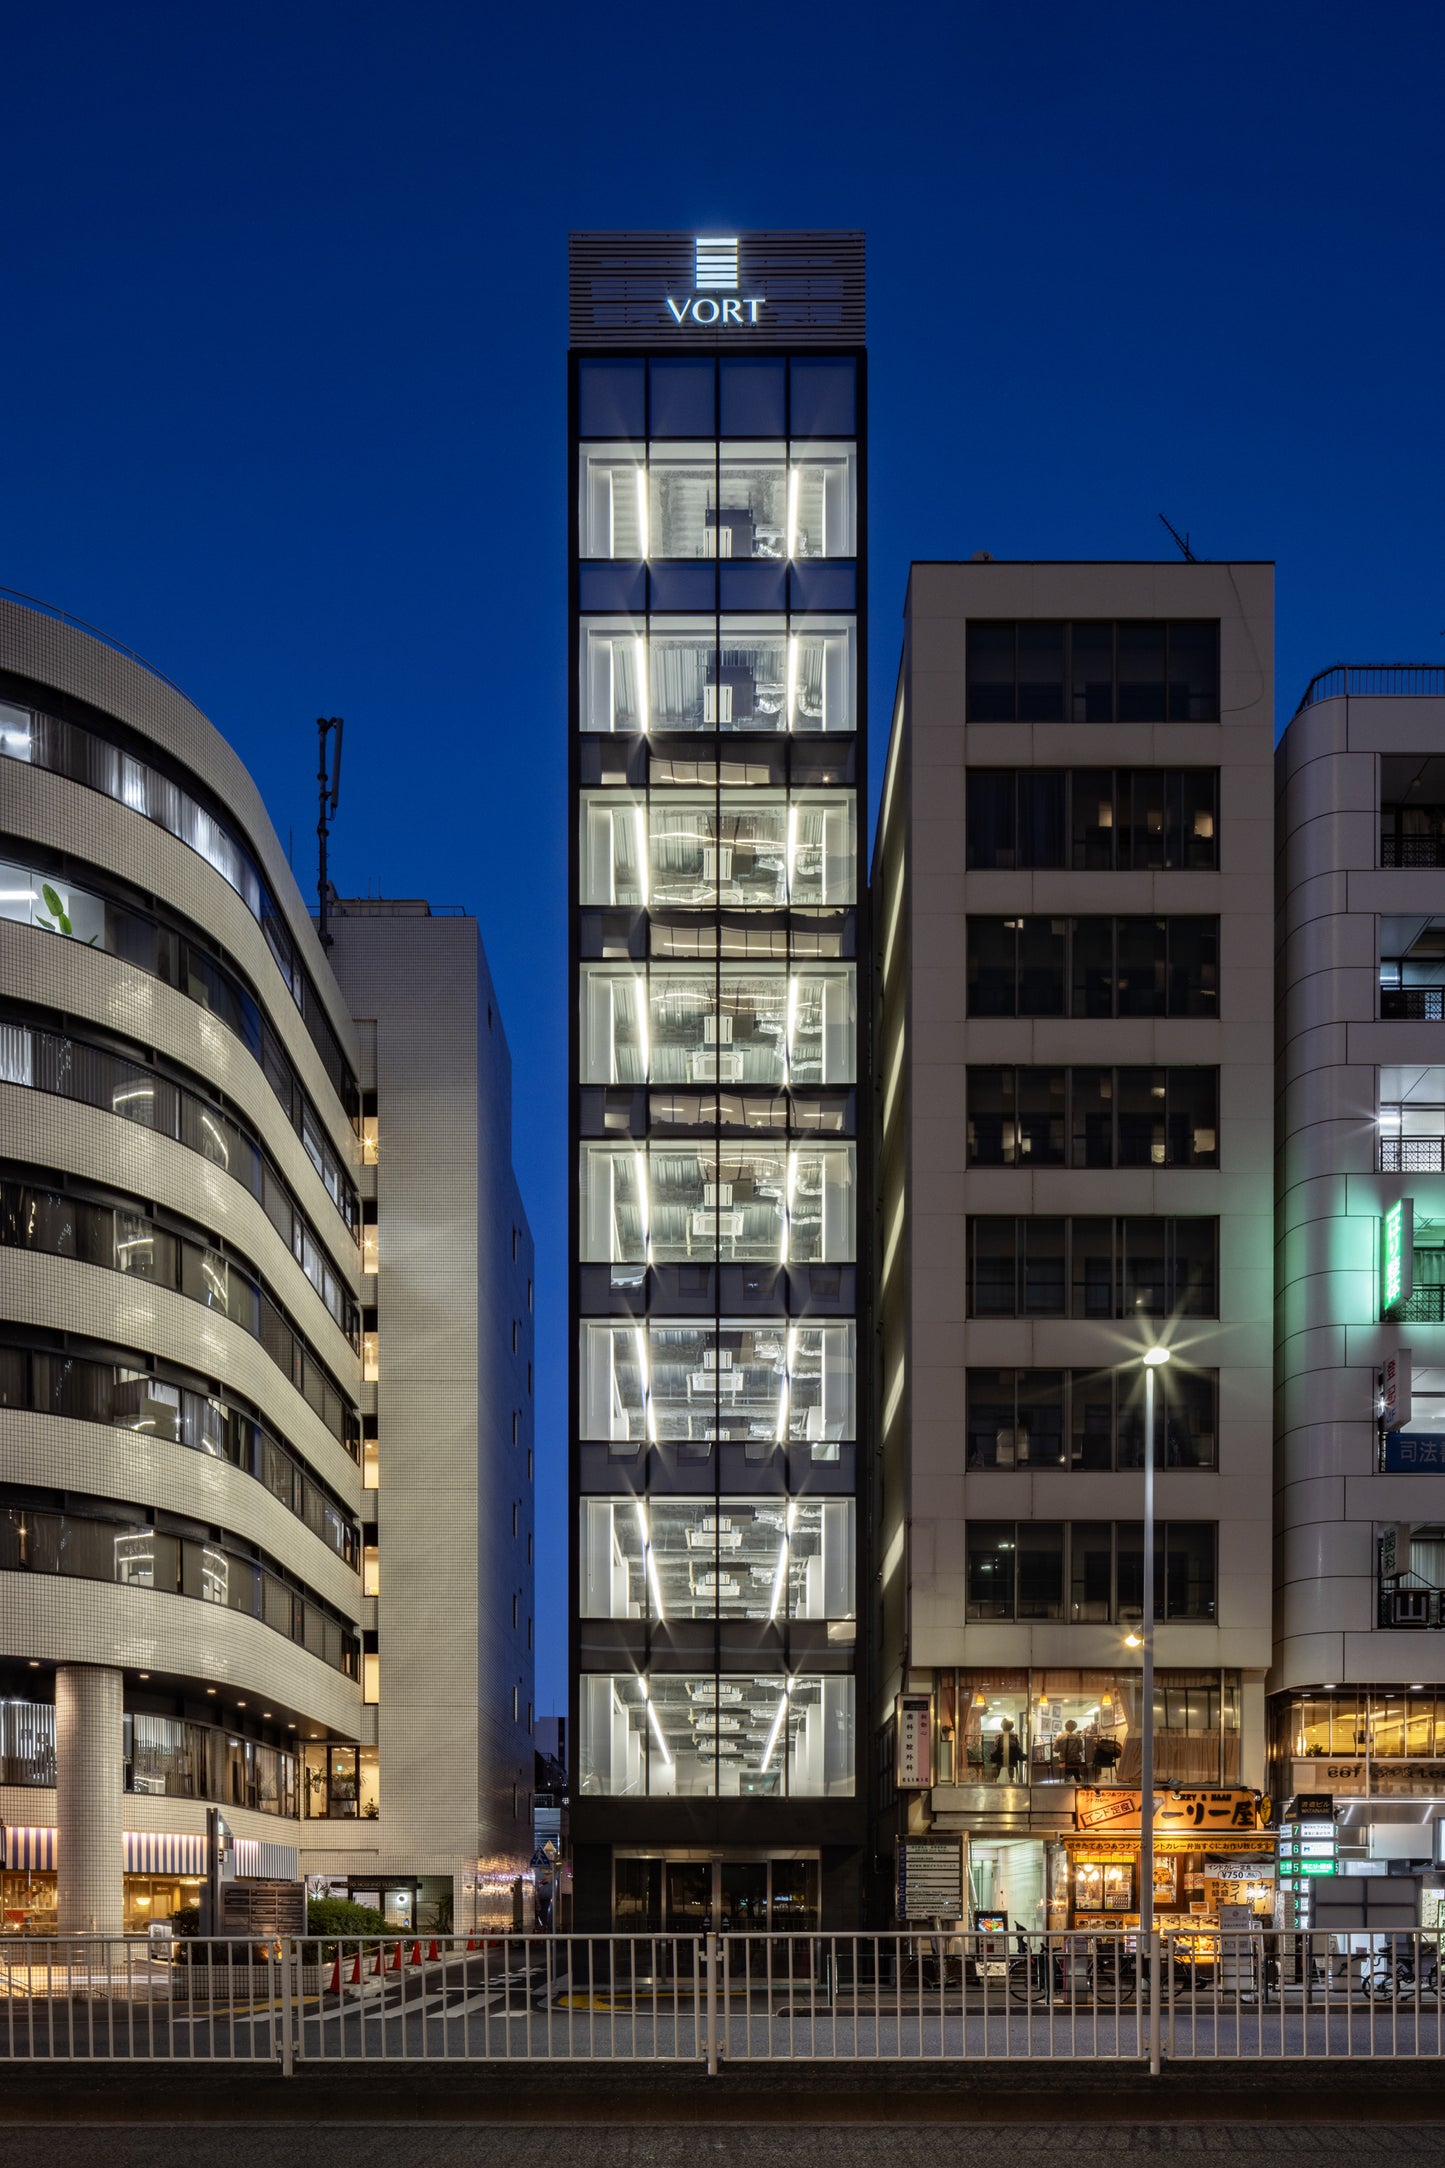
{"x": 710, "y": 697}
{"x": 1409, "y": 1606}
{"x": 714, "y": 1224}
{"x": 717, "y": 861}
{"x": 716, "y": 1381}
{"x": 715, "y": 1193}
{"x": 721, "y": 1068}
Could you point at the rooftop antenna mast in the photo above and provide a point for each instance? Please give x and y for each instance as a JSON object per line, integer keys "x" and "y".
{"x": 329, "y": 791}
{"x": 1183, "y": 540}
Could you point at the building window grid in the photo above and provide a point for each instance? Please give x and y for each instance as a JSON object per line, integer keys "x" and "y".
{"x": 1089, "y": 1419}
{"x": 1106, "y": 1268}
{"x": 137, "y": 1552}
{"x": 1093, "y": 670}
{"x": 39, "y": 1212}
{"x": 90, "y": 758}
{"x": 35, "y": 1057}
{"x": 1093, "y": 967}
{"x": 714, "y": 913}
{"x": 1089, "y": 1572}
{"x": 131, "y": 1397}
{"x": 1093, "y": 1117}
{"x": 157, "y": 945}
{"x": 1097, "y": 820}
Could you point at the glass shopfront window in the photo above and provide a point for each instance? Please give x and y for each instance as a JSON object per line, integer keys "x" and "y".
{"x": 770, "y": 1559}
{"x": 745, "y": 1199}
{"x": 761, "y": 1025}
{"x": 694, "y": 1383}
{"x": 700, "y": 1736}
{"x": 1063, "y": 1726}
{"x": 711, "y": 673}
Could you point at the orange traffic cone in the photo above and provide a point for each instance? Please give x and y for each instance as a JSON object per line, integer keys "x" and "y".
{"x": 356, "y": 1970}
{"x": 471, "y": 1942}
{"x": 415, "y": 1958}
{"x": 380, "y": 1966}
{"x": 396, "y": 1960}
{"x": 431, "y": 1951}
{"x": 333, "y": 1985}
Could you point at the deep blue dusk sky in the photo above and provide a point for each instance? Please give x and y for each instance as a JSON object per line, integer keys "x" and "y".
{"x": 283, "y": 369}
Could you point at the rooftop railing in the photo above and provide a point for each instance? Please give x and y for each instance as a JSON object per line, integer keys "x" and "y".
{"x": 1375, "y": 681}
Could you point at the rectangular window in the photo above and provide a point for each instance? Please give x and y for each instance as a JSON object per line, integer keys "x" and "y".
{"x": 1093, "y": 671}
{"x": 1092, "y": 967}
{"x": 1093, "y": 1117}
{"x": 1021, "y": 1571}
{"x": 680, "y": 1025}
{"x": 1093, "y": 820}
{"x": 1092, "y": 1268}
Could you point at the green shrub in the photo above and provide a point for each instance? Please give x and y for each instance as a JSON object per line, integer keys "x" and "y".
{"x": 333, "y": 1916}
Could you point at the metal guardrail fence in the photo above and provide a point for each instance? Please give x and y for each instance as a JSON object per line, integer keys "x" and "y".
{"x": 710, "y": 1999}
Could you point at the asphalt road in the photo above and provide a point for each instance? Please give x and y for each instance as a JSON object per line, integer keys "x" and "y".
{"x": 740, "y": 2146}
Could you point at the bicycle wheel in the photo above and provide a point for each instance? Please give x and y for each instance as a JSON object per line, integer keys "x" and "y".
{"x": 1026, "y": 1980}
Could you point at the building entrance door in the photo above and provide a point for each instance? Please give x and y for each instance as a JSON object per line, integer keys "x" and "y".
{"x": 743, "y": 1894}
{"x": 693, "y": 1896}
{"x": 690, "y": 1908}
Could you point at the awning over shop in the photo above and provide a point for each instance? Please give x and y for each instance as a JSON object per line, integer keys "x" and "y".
{"x": 142, "y": 1851}
{"x": 22, "y": 1849}
{"x": 152, "y": 1852}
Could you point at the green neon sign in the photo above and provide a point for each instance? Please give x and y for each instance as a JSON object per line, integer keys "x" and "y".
{"x": 1397, "y": 1255}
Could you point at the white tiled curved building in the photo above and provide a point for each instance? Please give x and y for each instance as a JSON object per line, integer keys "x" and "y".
{"x": 1358, "y": 1685}
{"x": 190, "y": 1453}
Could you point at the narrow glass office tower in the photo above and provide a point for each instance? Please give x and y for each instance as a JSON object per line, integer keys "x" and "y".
{"x": 716, "y": 587}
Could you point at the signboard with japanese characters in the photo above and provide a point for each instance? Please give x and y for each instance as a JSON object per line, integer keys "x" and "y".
{"x": 930, "y": 1878}
{"x": 1177, "y": 1812}
{"x": 1413, "y": 1452}
{"x": 915, "y": 1742}
{"x": 1395, "y": 1409}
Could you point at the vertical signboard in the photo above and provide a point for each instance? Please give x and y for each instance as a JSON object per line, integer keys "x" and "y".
{"x": 915, "y": 1743}
{"x": 1395, "y": 1393}
{"x": 1397, "y": 1256}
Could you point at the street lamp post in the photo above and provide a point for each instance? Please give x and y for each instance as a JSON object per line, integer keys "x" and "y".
{"x": 1154, "y": 1357}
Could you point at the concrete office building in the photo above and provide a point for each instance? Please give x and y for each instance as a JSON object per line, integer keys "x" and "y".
{"x": 1073, "y": 1074}
{"x": 189, "y": 1447}
{"x": 717, "y": 596}
{"x": 1358, "y": 1686}
{"x": 448, "y": 1383}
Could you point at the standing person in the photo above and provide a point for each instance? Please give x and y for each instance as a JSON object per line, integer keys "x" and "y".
{"x": 1071, "y": 1753}
{"x": 1008, "y": 1755}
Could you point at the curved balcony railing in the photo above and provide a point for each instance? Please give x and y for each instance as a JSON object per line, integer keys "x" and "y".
{"x": 1375, "y": 681}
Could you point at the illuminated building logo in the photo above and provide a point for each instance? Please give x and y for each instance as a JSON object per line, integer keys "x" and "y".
{"x": 717, "y": 264}
{"x": 715, "y": 271}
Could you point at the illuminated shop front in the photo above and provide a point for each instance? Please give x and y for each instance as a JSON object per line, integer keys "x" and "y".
{"x": 162, "y": 1879}
{"x": 1212, "y": 1847}
{"x": 1021, "y": 1729}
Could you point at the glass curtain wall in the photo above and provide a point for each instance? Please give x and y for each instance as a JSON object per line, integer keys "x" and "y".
{"x": 717, "y": 1026}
